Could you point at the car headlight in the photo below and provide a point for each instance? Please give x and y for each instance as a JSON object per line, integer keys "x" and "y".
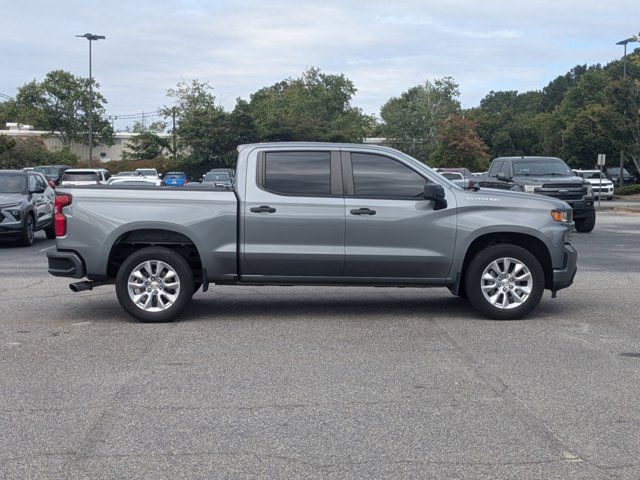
{"x": 589, "y": 190}
{"x": 564, "y": 216}
{"x": 531, "y": 188}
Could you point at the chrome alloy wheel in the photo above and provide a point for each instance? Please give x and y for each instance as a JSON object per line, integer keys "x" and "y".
{"x": 153, "y": 286}
{"x": 506, "y": 283}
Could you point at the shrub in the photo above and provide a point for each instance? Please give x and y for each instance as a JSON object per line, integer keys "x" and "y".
{"x": 629, "y": 190}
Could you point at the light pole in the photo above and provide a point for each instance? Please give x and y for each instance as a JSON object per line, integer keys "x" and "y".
{"x": 91, "y": 37}
{"x": 624, "y": 42}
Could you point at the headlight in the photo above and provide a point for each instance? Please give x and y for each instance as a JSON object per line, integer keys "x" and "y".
{"x": 564, "y": 216}
{"x": 589, "y": 190}
{"x": 531, "y": 188}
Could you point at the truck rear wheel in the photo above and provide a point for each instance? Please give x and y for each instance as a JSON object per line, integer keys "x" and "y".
{"x": 154, "y": 284}
{"x": 586, "y": 225}
{"x": 504, "y": 282}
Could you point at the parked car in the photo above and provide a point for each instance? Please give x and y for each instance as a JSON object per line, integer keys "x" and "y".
{"x": 53, "y": 172}
{"x": 175, "y": 179}
{"x": 456, "y": 178}
{"x": 319, "y": 214}
{"x": 613, "y": 174}
{"x": 26, "y": 206}
{"x": 127, "y": 174}
{"x": 548, "y": 176}
{"x": 219, "y": 176}
{"x": 133, "y": 180}
{"x": 602, "y": 187}
{"x": 151, "y": 174}
{"x": 85, "y": 176}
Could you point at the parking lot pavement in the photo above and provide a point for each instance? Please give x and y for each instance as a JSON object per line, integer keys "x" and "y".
{"x": 324, "y": 382}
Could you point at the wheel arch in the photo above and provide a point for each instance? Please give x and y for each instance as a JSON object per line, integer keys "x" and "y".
{"x": 527, "y": 241}
{"x": 134, "y": 239}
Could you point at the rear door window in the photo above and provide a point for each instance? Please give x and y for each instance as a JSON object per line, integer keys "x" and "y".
{"x": 297, "y": 173}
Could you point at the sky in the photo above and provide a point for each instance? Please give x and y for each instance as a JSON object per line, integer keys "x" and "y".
{"x": 384, "y": 47}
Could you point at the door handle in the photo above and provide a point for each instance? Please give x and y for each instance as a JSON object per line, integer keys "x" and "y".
{"x": 263, "y": 209}
{"x": 362, "y": 211}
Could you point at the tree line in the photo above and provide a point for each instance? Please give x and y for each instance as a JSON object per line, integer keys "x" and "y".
{"x": 588, "y": 110}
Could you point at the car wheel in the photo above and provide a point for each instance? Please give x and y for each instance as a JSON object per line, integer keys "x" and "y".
{"x": 504, "y": 282}
{"x": 154, "y": 284}
{"x": 50, "y": 231}
{"x": 586, "y": 225}
{"x": 28, "y": 231}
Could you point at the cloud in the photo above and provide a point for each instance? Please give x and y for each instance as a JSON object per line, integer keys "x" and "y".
{"x": 240, "y": 46}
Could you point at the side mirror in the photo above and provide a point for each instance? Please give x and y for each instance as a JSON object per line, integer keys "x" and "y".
{"x": 503, "y": 177}
{"x": 435, "y": 192}
{"x": 159, "y": 175}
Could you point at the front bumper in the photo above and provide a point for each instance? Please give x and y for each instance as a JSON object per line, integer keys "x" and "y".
{"x": 581, "y": 208}
{"x": 563, "y": 277}
{"x": 65, "y": 264}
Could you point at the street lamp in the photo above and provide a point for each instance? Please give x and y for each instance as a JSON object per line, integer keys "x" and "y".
{"x": 624, "y": 57}
{"x": 92, "y": 38}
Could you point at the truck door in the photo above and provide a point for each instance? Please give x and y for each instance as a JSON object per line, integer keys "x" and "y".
{"x": 392, "y": 231}
{"x": 294, "y": 221}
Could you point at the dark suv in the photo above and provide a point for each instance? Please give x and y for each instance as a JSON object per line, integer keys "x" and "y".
{"x": 548, "y": 176}
{"x": 26, "y": 205}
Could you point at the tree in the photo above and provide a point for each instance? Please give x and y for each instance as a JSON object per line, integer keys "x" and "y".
{"x": 59, "y": 106}
{"x": 459, "y": 145}
{"x": 145, "y": 146}
{"x": 30, "y": 152}
{"x": 411, "y": 120}
{"x": 314, "y": 107}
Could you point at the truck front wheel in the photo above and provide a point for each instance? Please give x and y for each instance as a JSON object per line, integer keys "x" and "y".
{"x": 585, "y": 225}
{"x": 154, "y": 284}
{"x": 504, "y": 282}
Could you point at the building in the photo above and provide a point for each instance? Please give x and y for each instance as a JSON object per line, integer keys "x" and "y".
{"x": 102, "y": 152}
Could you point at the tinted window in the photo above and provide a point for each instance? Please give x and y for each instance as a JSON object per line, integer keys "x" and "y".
{"x": 32, "y": 183}
{"x": 375, "y": 176}
{"x": 217, "y": 177}
{"x": 495, "y": 168}
{"x": 12, "y": 183}
{"x": 80, "y": 177}
{"x": 541, "y": 167}
{"x": 298, "y": 173}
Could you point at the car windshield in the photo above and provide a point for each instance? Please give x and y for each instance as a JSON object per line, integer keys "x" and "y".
{"x": 616, "y": 171}
{"x": 12, "y": 183}
{"x": 541, "y": 168}
{"x": 147, "y": 171}
{"x": 128, "y": 174}
{"x": 588, "y": 175}
{"x": 79, "y": 177}
{"x": 218, "y": 177}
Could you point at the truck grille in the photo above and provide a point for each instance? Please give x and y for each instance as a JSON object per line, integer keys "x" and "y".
{"x": 569, "y": 191}
{"x": 1, "y": 217}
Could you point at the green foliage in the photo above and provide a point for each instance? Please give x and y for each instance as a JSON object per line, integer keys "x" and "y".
{"x": 629, "y": 190}
{"x": 314, "y": 107}
{"x": 30, "y": 152}
{"x": 411, "y": 120}
{"x": 59, "y": 104}
{"x": 145, "y": 146}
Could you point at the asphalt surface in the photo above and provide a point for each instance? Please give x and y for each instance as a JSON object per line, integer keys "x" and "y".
{"x": 324, "y": 382}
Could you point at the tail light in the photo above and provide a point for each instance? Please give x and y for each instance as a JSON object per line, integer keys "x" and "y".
{"x": 62, "y": 200}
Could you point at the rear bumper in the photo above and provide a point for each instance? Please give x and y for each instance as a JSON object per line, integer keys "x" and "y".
{"x": 563, "y": 277}
{"x": 65, "y": 264}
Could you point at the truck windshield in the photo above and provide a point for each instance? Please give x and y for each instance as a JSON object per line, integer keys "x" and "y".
{"x": 149, "y": 172}
{"x": 595, "y": 175}
{"x": 541, "y": 168}
{"x": 12, "y": 183}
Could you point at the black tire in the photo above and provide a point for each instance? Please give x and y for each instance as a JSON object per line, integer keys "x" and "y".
{"x": 196, "y": 286}
{"x": 610, "y": 198}
{"x": 473, "y": 281}
{"x": 28, "y": 231}
{"x": 169, "y": 257}
{"x": 50, "y": 231}
{"x": 586, "y": 225}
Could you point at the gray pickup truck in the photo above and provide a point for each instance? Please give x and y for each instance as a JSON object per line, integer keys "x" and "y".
{"x": 315, "y": 214}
